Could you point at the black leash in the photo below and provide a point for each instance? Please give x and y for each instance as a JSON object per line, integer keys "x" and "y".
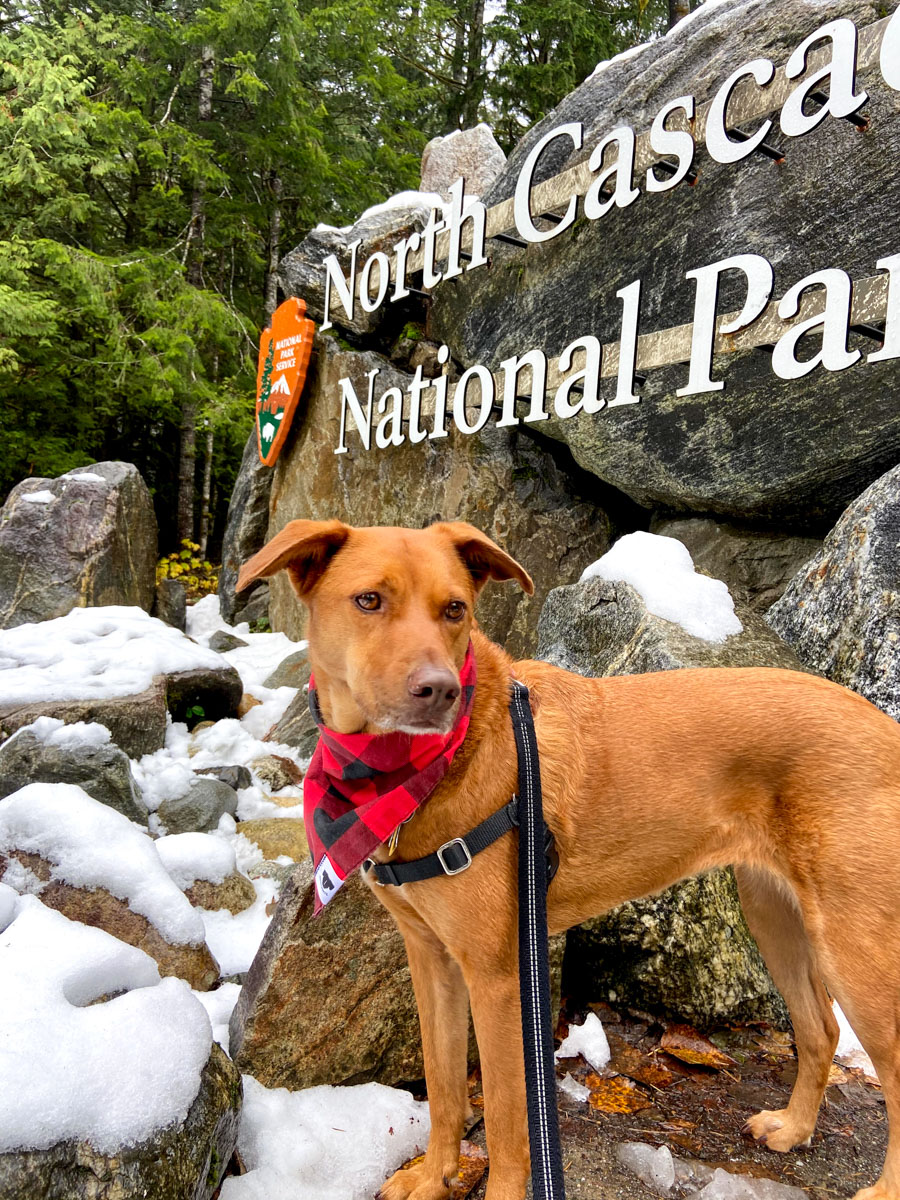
{"x": 538, "y": 861}
{"x": 534, "y": 962}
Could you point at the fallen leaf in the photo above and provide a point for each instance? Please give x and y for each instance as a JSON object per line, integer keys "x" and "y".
{"x": 645, "y": 1068}
{"x": 246, "y": 703}
{"x": 271, "y": 906}
{"x": 686, "y": 1043}
{"x": 836, "y": 1075}
{"x": 776, "y": 1042}
{"x": 618, "y": 1095}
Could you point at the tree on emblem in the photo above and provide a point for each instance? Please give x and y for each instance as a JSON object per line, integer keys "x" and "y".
{"x": 266, "y": 382}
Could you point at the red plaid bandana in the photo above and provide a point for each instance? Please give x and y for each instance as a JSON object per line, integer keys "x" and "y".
{"x": 360, "y": 787}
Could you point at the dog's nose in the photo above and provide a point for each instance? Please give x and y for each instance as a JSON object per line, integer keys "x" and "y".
{"x": 434, "y": 688}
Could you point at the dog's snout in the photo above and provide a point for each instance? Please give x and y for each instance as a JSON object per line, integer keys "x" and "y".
{"x": 434, "y": 688}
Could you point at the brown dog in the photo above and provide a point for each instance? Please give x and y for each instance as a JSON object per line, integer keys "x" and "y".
{"x": 647, "y": 779}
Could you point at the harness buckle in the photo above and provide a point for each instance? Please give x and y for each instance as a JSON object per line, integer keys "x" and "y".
{"x": 448, "y": 870}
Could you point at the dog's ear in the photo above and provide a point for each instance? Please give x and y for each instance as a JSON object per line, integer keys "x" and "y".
{"x": 303, "y": 549}
{"x": 483, "y": 558}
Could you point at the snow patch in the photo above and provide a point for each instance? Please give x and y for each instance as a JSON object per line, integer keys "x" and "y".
{"x": 850, "y": 1051}
{"x": 662, "y": 571}
{"x": 43, "y": 497}
{"x": 618, "y": 58}
{"x": 219, "y": 1006}
{"x": 90, "y": 845}
{"x": 94, "y": 653}
{"x": 191, "y": 856}
{"x": 588, "y": 1040}
{"x": 324, "y": 1143}
{"x": 234, "y": 938}
{"x": 406, "y": 200}
{"x": 573, "y": 1088}
{"x": 110, "y": 1073}
{"x": 84, "y": 477}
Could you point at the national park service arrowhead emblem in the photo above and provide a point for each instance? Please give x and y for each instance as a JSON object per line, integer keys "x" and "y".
{"x": 284, "y": 352}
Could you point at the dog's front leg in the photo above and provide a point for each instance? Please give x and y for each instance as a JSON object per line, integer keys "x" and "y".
{"x": 496, "y": 1011}
{"x": 443, "y": 1005}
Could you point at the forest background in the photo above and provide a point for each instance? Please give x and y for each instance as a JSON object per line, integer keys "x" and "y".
{"x": 158, "y": 156}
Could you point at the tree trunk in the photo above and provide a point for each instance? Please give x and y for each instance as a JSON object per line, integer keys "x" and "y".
{"x": 186, "y": 471}
{"x": 205, "y": 494}
{"x": 677, "y": 10}
{"x": 193, "y": 256}
{"x": 474, "y": 93}
{"x": 194, "y": 248}
{"x": 274, "y": 247}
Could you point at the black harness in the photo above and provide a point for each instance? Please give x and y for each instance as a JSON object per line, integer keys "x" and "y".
{"x": 538, "y": 863}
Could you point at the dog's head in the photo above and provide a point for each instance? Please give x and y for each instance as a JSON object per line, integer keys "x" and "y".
{"x": 390, "y": 613}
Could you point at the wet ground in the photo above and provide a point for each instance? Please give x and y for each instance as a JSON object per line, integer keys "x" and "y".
{"x": 699, "y": 1112}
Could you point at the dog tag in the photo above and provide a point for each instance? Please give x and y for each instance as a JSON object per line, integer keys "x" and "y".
{"x": 395, "y": 838}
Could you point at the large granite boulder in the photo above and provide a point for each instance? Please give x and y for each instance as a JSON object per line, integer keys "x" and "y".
{"x": 52, "y": 752}
{"x": 200, "y": 808}
{"x": 502, "y": 481}
{"x": 841, "y": 612}
{"x": 330, "y": 999}
{"x": 245, "y": 529}
{"x": 765, "y": 447}
{"x": 688, "y": 952}
{"x": 470, "y": 154}
{"x": 85, "y": 539}
{"x": 185, "y": 1161}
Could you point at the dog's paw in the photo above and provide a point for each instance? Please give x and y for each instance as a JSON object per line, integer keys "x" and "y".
{"x": 777, "y": 1130}
{"x": 878, "y": 1191}
{"x": 413, "y": 1184}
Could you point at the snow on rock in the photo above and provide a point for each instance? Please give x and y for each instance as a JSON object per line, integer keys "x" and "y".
{"x": 111, "y": 1073}
{"x": 191, "y": 856}
{"x": 324, "y": 1143}
{"x": 405, "y": 200}
{"x": 94, "y": 653}
{"x": 90, "y": 845}
{"x": 9, "y": 899}
{"x": 78, "y": 735}
{"x": 43, "y": 497}
{"x": 617, "y": 58}
{"x": 662, "y": 571}
{"x": 219, "y": 1006}
{"x": 588, "y": 1040}
{"x": 84, "y": 477}
{"x": 233, "y": 938}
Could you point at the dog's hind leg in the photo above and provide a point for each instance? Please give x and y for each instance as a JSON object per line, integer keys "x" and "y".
{"x": 775, "y": 921}
{"x": 443, "y": 1004}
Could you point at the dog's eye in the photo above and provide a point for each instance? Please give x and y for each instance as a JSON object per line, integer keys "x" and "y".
{"x": 368, "y": 601}
{"x": 455, "y": 610}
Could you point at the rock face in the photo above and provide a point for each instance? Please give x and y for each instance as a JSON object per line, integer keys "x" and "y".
{"x": 183, "y": 1162}
{"x": 216, "y": 691}
{"x": 85, "y": 539}
{"x": 841, "y": 612}
{"x": 170, "y": 604}
{"x": 503, "y": 482}
{"x": 96, "y": 906}
{"x": 137, "y": 723}
{"x": 292, "y": 671}
{"x": 757, "y": 565}
{"x": 687, "y": 952}
{"x": 102, "y": 770}
{"x": 296, "y": 727}
{"x": 245, "y": 529}
{"x": 470, "y": 154}
{"x": 235, "y": 892}
{"x": 765, "y": 447}
{"x": 276, "y": 836}
{"x": 328, "y": 1000}
{"x": 200, "y": 808}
